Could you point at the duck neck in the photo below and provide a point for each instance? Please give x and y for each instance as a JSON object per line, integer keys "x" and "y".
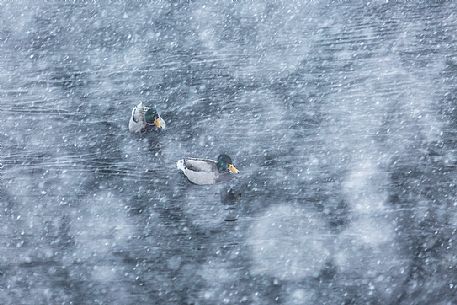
{"x": 221, "y": 166}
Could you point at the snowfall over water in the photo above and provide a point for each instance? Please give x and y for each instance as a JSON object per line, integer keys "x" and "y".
{"x": 340, "y": 115}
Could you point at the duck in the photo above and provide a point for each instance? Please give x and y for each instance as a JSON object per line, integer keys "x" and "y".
{"x": 205, "y": 171}
{"x": 144, "y": 118}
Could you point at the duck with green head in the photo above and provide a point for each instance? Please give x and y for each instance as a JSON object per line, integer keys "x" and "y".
{"x": 144, "y": 119}
{"x": 205, "y": 171}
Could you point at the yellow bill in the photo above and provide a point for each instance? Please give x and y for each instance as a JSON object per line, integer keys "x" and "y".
{"x": 159, "y": 123}
{"x": 233, "y": 169}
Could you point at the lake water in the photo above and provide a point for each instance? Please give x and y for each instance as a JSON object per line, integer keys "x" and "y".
{"x": 341, "y": 117}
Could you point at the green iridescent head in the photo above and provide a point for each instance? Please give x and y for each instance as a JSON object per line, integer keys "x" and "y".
{"x": 224, "y": 164}
{"x": 152, "y": 117}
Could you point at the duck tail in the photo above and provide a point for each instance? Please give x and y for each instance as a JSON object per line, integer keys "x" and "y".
{"x": 180, "y": 165}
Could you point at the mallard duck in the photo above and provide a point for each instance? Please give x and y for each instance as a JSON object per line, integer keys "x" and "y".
{"x": 203, "y": 171}
{"x": 143, "y": 118}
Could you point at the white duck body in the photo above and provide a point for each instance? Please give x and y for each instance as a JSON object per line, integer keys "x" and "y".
{"x": 199, "y": 171}
{"x": 137, "y": 122}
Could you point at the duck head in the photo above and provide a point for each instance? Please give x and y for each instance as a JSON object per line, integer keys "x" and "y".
{"x": 224, "y": 163}
{"x": 152, "y": 118}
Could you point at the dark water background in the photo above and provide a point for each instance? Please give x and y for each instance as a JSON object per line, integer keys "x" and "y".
{"x": 341, "y": 117}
